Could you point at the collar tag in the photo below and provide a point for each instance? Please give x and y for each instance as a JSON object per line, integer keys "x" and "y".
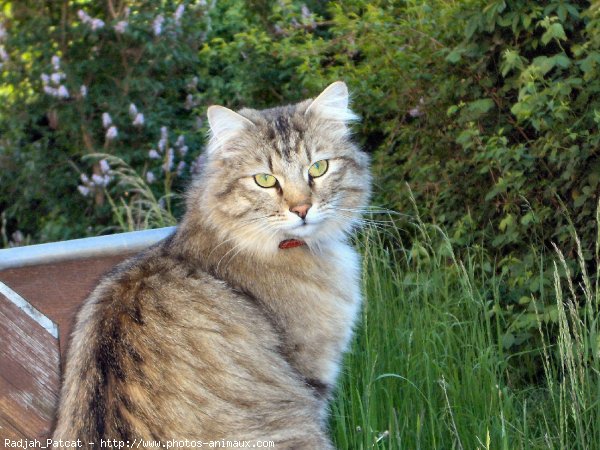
{"x": 291, "y": 243}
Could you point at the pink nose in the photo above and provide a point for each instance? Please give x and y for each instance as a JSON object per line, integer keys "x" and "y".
{"x": 301, "y": 210}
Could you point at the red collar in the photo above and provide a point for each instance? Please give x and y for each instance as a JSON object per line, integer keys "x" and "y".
{"x": 291, "y": 243}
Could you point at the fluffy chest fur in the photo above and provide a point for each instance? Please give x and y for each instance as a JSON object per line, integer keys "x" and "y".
{"x": 312, "y": 299}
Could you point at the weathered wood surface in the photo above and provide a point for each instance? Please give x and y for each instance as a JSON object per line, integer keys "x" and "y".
{"x": 29, "y": 374}
{"x": 30, "y": 357}
{"x": 57, "y": 290}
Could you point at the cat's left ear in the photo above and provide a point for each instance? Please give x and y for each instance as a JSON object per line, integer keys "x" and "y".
{"x": 224, "y": 123}
{"x": 333, "y": 104}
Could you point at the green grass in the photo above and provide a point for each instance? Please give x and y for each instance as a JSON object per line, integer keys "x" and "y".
{"x": 428, "y": 370}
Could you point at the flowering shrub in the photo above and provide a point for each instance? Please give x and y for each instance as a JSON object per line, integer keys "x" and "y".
{"x": 488, "y": 110}
{"x": 113, "y": 77}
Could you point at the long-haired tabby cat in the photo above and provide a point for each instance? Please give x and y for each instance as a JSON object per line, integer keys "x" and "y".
{"x": 234, "y": 327}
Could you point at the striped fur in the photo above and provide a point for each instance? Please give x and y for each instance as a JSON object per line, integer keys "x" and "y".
{"x": 216, "y": 333}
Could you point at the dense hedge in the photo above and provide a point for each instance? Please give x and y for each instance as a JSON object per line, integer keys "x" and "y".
{"x": 486, "y": 113}
{"x": 87, "y": 77}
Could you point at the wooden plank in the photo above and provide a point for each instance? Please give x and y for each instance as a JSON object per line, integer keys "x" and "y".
{"x": 30, "y": 357}
{"x": 29, "y": 373}
{"x": 8, "y": 431}
{"x": 57, "y": 290}
{"x": 18, "y": 412}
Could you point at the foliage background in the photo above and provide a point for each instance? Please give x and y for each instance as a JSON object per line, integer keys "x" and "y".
{"x": 481, "y": 118}
{"x": 486, "y": 113}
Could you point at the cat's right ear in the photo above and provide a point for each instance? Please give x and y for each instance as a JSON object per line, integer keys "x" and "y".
{"x": 333, "y": 104}
{"x": 224, "y": 123}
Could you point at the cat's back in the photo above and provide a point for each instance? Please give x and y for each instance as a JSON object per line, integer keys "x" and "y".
{"x": 163, "y": 350}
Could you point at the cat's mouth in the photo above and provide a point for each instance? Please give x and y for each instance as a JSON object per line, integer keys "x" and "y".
{"x": 301, "y": 230}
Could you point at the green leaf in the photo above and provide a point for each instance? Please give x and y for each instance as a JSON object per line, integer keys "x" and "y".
{"x": 471, "y": 27}
{"x": 508, "y": 339}
{"x": 528, "y": 218}
{"x": 454, "y": 56}
{"x": 479, "y": 107}
{"x": 589, "y": 63}
{"x": 554, "y": 31}
{"x": 524, "y": 300}
{"x": 511, "y": 60}
{"x": 452, "y": 110}
{"x": 561, "y": 60}
{"x": 506, "y": 222}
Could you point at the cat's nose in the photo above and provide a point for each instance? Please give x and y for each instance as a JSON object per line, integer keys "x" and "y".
{"x": 301, "y": 210}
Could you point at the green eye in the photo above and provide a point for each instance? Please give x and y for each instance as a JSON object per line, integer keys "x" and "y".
{"x": 319, "y": 168}
{"x": 265, "y": 180}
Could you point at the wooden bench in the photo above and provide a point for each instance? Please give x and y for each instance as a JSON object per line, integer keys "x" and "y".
{"x": 41, "y": 289}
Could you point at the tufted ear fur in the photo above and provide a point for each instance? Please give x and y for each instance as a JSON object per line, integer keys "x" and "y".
{"x": 224, "y": 123}
{"x": 332, "y": 104}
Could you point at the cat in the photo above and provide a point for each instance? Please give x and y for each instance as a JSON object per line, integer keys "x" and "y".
{"x": 233, "y": 327}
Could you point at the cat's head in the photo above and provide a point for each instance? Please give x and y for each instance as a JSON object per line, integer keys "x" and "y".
{"x": 287, "y": 173}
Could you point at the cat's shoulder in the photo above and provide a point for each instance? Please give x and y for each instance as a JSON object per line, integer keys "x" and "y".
{"x": 149, "y": 276}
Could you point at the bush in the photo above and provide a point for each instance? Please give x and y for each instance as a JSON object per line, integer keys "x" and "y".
{"x": 488, "y": 111}
{"x": 485, "y": 114}
{"x": 86, "y": 77}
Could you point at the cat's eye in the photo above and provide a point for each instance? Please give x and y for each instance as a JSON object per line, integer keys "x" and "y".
{"x": 319, "y": 168}
{"x": 265, "y": 180}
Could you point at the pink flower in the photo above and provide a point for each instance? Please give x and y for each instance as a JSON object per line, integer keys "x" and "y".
{"x": 133, "y": 110}
{"x": 139, "y": 120}
{"x": 305, "y": 12}
{"x": 84, "y": 190}
{"x": 121, "y": 26}
{"x": 62, "y": 92}
{"x": 157, "y": 25}
{"x": 94, "y": 23}
{"x": 179, "y": 14}
{"x": 97, "y": 24}
{"x": 50, "y": 91}
{"x": 180, "y": 167}
{"x": 164, "y": 135}
{"x": 57, "y": 77}
{"x": 106, "y": 120}
{"x": 415, "y": 112}
{"x": 83, "y": 16}
{"x": 182, "y": 149}
{"x": 189, "y": 102}
{"x": 98, "y": 179}
{"x": 111, "y": 133}
{"x": 104, "y": 166}
{"x": 198, "y": 163}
